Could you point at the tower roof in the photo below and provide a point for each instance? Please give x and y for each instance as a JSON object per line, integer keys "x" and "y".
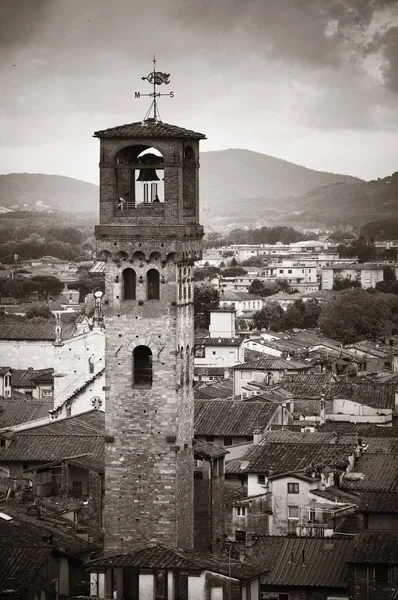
{"x": 150, "y": 129}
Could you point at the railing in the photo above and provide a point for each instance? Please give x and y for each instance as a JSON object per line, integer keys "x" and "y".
{"x": 124, "y": 205}
{"x": 314, "y": 530}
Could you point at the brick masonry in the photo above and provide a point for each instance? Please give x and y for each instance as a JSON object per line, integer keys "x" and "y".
{"x": 149, "y": 455}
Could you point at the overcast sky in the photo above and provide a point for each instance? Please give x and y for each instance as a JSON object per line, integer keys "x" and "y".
{"x": 314, "y": 82}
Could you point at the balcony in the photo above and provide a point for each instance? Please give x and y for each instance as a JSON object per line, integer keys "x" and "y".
{"x": 321, "y": 530}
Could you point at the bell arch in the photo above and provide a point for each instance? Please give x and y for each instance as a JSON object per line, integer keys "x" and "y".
{"x": 139, "y": 177}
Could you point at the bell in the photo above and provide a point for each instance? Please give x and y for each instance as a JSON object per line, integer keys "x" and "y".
{"x": 147, "y": 175}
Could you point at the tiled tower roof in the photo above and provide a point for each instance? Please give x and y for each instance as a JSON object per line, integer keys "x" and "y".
{"x": 148, "y": 128}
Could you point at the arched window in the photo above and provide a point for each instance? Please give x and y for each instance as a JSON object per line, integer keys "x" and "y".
{"x": 142, "y": 366}
{"x": 129, "y": 284}
{"x": 153, "y": 284}
{"x": 187, "y": 366}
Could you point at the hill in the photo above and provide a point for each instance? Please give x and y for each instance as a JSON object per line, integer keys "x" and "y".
{"x": 37, "y": 191}
{"x": 229, "y": 176}
{"x": 237, "y": 188}
{"x": 340, "y": 204}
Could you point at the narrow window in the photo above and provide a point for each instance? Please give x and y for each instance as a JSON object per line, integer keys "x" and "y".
{"x": 129, "y": 284}
{"x": 77, "y": 488}
{"x": 153, "y": 284}
{"x": 293, "y": 512}
{"x": 261, "y": 479}
{"x": 227, "y": 441}
{"x": 142, "y": 366}
{"x": 187, "y": 367}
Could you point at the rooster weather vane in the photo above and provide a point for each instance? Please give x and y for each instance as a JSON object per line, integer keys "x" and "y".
{"x": 155, "y": 78}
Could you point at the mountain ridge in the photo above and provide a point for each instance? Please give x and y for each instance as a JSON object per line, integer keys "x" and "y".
{"x": 236, "y": 186}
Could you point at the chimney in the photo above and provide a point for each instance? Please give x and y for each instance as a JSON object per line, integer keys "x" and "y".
{"x": 322, "y": 409}
{"x": 270, "y": 471}
{"x": 257, "y": 435}
{"x": 58, "y": 328}
{"x": 34, "y": 511}
{"x": 98, "y": 317}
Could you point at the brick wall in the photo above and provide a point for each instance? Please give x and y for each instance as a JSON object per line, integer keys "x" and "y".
{"x": 149, "y": 456}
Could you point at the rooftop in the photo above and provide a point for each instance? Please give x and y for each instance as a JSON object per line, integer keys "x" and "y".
{"x": 149, "y": 129}
{"x": 34, "y": 331}
{"x": 218, "y": 341}
{"x": 16, "y": 410}
{"x": 375, "y": 547}
{"x": 271, "y": 364}
{"x": 29, "y": 377}
{"x": 164, "y": 557}
{"x": 294, "y": 457}
{"x": 303, "y": 561}
{"x": 231, "y": 417}
{"x": 80, "y": 434}
{"x": 378, "y": 502}
{"x": 380, "y": 474}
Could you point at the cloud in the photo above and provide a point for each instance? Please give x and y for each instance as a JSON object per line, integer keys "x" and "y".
{"x": 277, "y": 68}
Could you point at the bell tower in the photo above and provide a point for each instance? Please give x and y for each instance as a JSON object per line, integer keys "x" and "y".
{"x": 149, "y": 237}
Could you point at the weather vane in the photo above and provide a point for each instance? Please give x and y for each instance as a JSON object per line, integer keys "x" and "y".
{"x": 155, "y": 78}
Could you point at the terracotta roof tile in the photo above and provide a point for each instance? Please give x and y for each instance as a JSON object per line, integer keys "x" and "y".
{"x": 218, "y": 389}
{"x": 81, "y": 434}
{"x": 376, "y": 547}
{"x": 380, "y": 474}
{"x": 303, "y": 561}
{"x": 363, "y": 430}
{"x": 28, "y": 377}
{"x": 164, "y": 557}
{"x": 271, "y": 364}
{"x": 208, "y": 450}
{"x": 20, "y": 566}
{"x": 149, "y": 129}
{"x": 231, "y": 417}
{"x": 291, "y": 457}
{"x": 26, "y": 330}
{"x": 218, "y": 341}
{"x": 378, "y": 502}
{"x": 14, "y": 411}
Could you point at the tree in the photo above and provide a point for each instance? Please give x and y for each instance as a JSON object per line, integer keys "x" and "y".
{"x": 313, "y": 309}
{"x": 206, "y": 299}
{"x": 206, "y": 273}
{"x": 257, "y": 288}
{"x": 47, "y": 286}
{"x": 233, "y": 272}
{"x": 41, "y": 311}
{"x": 253, "y": 261}
{"x": 363, "y": 248}
{"x": 344, "y": 283}
{"x": 269, "y": 317}
{"x": 389, "y": 274}
{"x": 234, "y": 262}
{"x": 358, "y": 315}
{"x": 87, "y": 282}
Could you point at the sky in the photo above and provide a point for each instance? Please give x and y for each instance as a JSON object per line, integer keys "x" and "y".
{"x": 314, "y": 82}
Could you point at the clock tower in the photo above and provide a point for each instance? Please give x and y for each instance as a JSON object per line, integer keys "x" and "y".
{"x": 149, "y": 237}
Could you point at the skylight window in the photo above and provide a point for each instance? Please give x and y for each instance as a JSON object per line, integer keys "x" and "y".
{"x": 5, "y": 517}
